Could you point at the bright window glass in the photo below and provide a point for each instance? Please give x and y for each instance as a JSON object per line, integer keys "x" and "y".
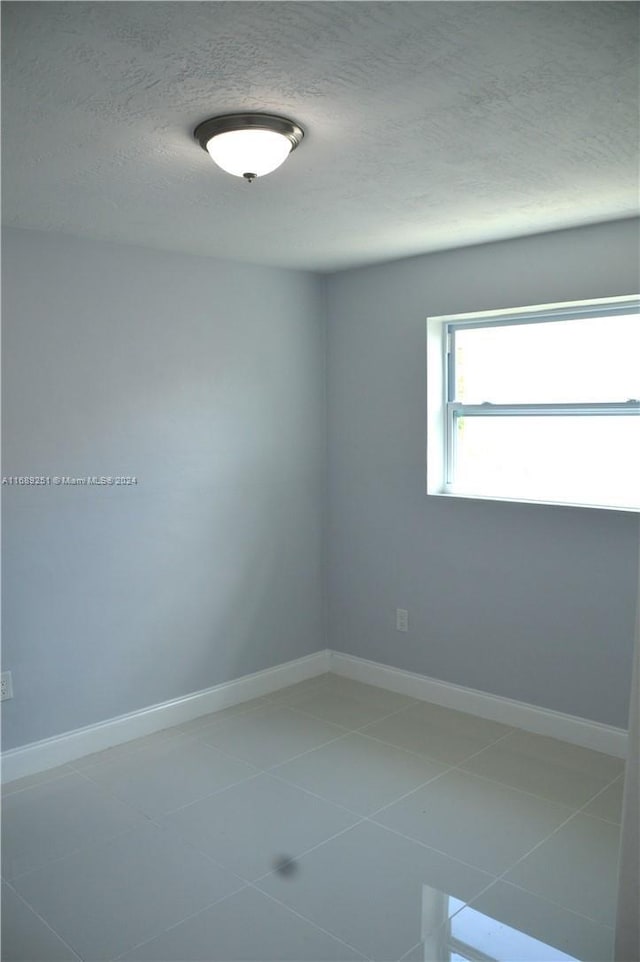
{"x": 593, "y": 459}
{"x": 537, "y": 404}
{"x": 584, "y": 359}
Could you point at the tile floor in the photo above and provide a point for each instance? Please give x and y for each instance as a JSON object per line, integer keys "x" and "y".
{"x": 328, "y": 821}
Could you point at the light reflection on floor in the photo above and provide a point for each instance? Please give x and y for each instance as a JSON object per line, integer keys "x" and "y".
{"x": 453, "y": 933}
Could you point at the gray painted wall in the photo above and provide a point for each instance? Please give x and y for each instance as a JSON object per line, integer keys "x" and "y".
{"x": 206, "y": 380}
{"x": 627, "y": 943}
{"x": 530, "y": 602}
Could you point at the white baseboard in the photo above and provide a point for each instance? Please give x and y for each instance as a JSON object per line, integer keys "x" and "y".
{"x": 50, "y": 752}
{"x": 542, "y": 721}
{"x": 42, "y": 755}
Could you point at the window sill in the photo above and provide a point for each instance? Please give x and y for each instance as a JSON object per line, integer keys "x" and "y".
{"x": 549, "y": 503}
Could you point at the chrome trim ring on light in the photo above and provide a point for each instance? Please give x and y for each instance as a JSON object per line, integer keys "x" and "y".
{"x": 221, "y": 125}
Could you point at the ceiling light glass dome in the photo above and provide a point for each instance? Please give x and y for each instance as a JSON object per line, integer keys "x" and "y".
{"x": 249, "y": 145}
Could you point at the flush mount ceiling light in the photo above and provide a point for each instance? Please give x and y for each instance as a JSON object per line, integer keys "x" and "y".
{"x": 248, "y": 145}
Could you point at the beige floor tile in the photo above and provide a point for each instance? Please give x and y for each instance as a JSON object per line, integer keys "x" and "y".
{"x": 253, "y": 826}
{"x": 577, "y": 868}
{"x": 360, "y": 773}
{"x": 547, "y": 767}
{"x": 244, "y": 926}
{"x": 271, "y": 736}
{"x": 440, "y": 733}
{"x": 474, "y": 819}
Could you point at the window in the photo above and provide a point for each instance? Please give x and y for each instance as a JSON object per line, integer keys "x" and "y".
{"x": 537, "y": 404}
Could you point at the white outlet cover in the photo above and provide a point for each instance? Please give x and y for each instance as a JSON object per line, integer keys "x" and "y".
{"x": 402, "y": 619}
{"x": 6, "y": 686}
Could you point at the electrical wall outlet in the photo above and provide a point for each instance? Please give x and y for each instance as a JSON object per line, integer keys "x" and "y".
{"x": 6, "y": 686}
{"x": 402, "y": 619}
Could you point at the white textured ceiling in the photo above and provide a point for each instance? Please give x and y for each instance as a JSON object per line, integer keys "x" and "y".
{"x": 428, "y": 125}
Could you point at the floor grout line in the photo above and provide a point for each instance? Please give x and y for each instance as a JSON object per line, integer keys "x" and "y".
{"x": 542, "y": 898}
{"x": 579, "y": 811}
{"x": 543, "y": 798}
{"x": 485, "y": 748}
{"x": 6, "y": 792}
{"x": 459, "y": 767}
{"x": 82, "y": 848}
{"x": 308, "y": 851}
{"x": 432, "y": 848}
{"x": 321, "y": 798}
{"x": 512, "y": 788}
{"x": 597, "y": 795}
{"x": 158, "y": 815}
{"x": 306, "y": 918}
{"x": 359, "y": 729}
{"x": 446, "y": 770}
{"x": 401, "y": 798}
{"x": 308, "y": 751}
{"x": 174, "y": 925}
{"x": 431, "y": 758}
{"x": 43, "y": 920}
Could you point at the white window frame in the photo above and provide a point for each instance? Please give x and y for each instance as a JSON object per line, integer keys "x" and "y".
{"x": 443, "y": 409}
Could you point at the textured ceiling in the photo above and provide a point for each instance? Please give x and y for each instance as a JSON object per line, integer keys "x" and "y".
{"x": 429, "y": 125}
